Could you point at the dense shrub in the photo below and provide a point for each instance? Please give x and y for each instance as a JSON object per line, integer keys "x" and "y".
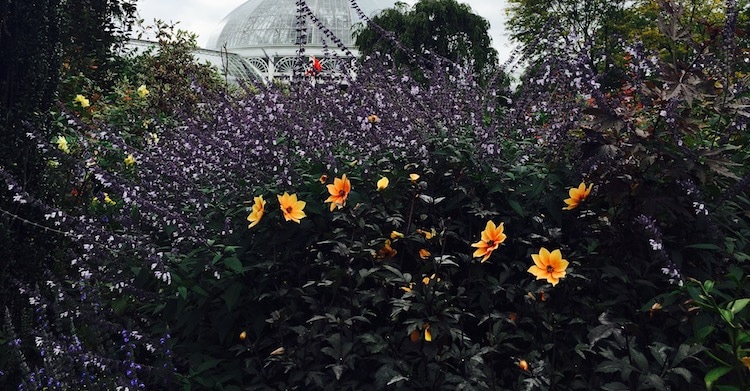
{"x": 178, "y": 259}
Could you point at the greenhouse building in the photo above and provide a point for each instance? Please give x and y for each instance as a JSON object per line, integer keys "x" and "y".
{"x": 267, "y": 35}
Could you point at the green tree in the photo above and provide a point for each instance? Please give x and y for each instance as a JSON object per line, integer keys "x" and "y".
{"x": 41, "y": 43}
{"x": 606, "y": 25}
{"x": 29, "y": 63}
{"x": 596, "y": 22}
{"x": 443, "y": 27}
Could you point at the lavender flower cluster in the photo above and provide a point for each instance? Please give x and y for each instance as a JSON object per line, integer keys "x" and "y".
{"x": 655, "y": 240}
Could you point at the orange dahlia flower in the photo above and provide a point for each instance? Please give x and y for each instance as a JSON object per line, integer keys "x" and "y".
{"x": 259, "y": 207}
{"x": 577, "y": 194}
{"x": 548, "y": 265}
{"x": 492, "y": 236}
{"x": 291, "y": 207}
{"x": 339, "y": 190}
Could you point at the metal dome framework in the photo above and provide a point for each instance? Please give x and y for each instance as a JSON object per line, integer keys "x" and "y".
{"x": 267, "y": 35}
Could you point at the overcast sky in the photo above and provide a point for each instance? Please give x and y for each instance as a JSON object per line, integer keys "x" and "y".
{"x": 202, "y": 16}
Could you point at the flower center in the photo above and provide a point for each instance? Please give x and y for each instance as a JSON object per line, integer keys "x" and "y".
{"x": 289, "y": 209}
{"x": 550, "y": 269}
{"x": 342, "y": 193}
{"x": 490, "y": 243}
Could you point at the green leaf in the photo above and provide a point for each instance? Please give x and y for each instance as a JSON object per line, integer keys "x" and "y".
{"x": 232, "y": 295}
{"x": 715, "y": 374}
{"x": 316, "y": 317}
{"x": 182, "y": 291}
{"x": 737, "y": 305}
{"x": 687, "y": 375}
{"x": 659, "y": 352}
{"x": 743, "y": 338}
{"x": 338, "y": 370}
{"x": 517, "y": 207}
{"x": 234, "y": 265}
{"x": 615, "y": 386}
{"x": 727, "y": 315}
{"x": 640, "y": 359}
{"x": 599, "y": 332}
{"x": 685, "y": 351}
{"x": 396, "y": 379}
{"x": 704, "y": 332}
{"x": 609, "y": 367}
{"x": 208, "y": 364}
{"x": 652, "y": 380}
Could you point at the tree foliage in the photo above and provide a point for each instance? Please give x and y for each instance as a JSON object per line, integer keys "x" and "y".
{"x": 29, "y": 66}
{"x": 596, "y": 21}
{"x": 43, "y": 42}
{"x": 604, "y": 28}
{"x": 91, "y": 30}
{"x": 443, "y": 27}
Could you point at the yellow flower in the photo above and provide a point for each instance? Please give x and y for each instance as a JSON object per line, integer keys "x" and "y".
{"x": 142, "y": 91}
{"x": 577, "y": 194}
{"x": 424, "y": 254}
{"x": 259, "y": 207}
{"x": 396, "y": 235}
{"x": 80, "y": 99}
{"x": 373, "y": 118}
{"x": 382, "y": 183}
{"x": 108, "y": 200}
{"x": 746, "y": 361}
{"x": 339, "y": 190}
{"x": 387, "y": 251}
{"x": 492, "y": 236}
{"x": 130, "y": 160}
{"x": 549, "y": 266}
{"x": 154, "y": 137}
{"x": 62, "y": 144}
{"x": 409, "y": 288}
{"x": 654, "y": 308}
{"x": 291, "y": 208}
{"x": 414, "y": 177}
{"x": 428, "y": 234}
{"x": 323, "y": 179}
{"x": 414, "y": 336}
{"x": 427, "y": 280}
{"x": 243, "y": 335}
{"x": 523, "y": 365}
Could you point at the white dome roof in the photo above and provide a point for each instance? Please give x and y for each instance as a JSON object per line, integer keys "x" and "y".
{"x": 265, "y": 24}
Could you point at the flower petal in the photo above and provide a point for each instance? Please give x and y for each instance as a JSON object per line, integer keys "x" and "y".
{"x": 544, "y": 256}
{"x": 538, "y": 272}
{"x": 537, "y": 261}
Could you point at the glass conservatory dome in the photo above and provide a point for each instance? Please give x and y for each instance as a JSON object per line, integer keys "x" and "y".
{"x": 270, "y": 24}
